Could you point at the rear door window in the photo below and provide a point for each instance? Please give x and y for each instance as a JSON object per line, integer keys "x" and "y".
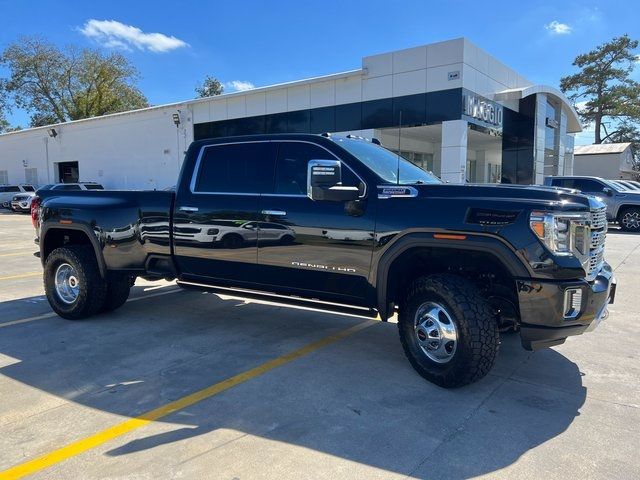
{"x": 236, "y": 168}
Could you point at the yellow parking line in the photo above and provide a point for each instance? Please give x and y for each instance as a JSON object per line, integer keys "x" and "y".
{"x": 51, "y": 315}
{"x": 97, "y": 439}
{"x": 14, "y": 254}
{"x": 22, "y": 275}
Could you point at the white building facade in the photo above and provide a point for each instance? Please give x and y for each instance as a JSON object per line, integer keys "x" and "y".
{"x": 607, "y": 160}
{"x": 449, "y": 107}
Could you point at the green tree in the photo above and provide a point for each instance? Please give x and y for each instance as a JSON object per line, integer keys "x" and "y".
{"x": 57, "y": 85}
{"x": 210, "y": 87}
{"x": 604, "y": 83}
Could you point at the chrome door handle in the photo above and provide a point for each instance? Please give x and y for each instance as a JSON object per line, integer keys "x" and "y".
{"x": 275, "y": 213}
{"x": 188, "y": 209}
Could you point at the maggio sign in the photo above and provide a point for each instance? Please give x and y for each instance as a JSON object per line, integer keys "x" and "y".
{"x": 479, "y": 108}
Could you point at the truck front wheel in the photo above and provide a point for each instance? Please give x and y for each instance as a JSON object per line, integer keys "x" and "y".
{"x": 72, "y": 282}
{"x": 447, "y": 330}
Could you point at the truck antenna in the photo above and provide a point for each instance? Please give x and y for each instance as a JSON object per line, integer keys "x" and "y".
{"x": 399, "y": 137}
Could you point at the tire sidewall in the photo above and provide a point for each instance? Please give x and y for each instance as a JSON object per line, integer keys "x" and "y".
{"x": 461, "y": 356}
{"x": 82, "y": 306}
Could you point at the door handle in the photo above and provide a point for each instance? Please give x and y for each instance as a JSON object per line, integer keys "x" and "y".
{"x": 188, "y": 209}
{"x": 275, "y": 213}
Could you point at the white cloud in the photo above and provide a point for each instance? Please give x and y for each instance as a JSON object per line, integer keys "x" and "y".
{"x": 113, "y": 34}
{"x": 239, "y": 85}
{"x": 558, "y": 28}
{"x": 579, "y": 106}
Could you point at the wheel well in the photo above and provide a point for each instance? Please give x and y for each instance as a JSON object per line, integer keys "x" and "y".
{"x": 623, "y": 208}
{"x": 484, "y": 269}
{"x": 58, "y": 237}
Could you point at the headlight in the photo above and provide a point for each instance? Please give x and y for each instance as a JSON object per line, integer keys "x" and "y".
{"x": 563, "y": 233}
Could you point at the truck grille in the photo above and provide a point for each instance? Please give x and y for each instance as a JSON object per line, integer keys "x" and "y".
{"x": 599, "y": 219}
{"x": 598, "y": 239}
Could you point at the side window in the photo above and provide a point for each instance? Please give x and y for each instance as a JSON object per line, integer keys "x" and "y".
{"x": 561, "y": 182}
{"x": 586, "y": 185}
{"x": 13, "y": 189}
{"x": 292, "y": 165}
{"x": 237, "y": 168}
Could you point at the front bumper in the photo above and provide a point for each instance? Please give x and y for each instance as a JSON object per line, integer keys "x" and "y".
{"x": 542, "y": 308}
{"x": 22, "y": 206}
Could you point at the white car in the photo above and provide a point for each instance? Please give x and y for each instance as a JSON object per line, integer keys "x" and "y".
{"x": 22, "y": 202}
{"x": 233, "y": 233}
{"x": 7, "y": 192}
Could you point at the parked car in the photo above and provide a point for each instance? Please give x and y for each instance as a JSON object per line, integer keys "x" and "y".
{"x": 628, "y": 184}
{"x": 458, "y": 263}
{"x": 72, "y": 186}
{"x": 22, "y": 202}
{"x": 7, "y": 192}
{"x": 623, "y": 205}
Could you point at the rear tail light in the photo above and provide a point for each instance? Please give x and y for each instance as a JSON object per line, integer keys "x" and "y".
{"x": 35, "y": 204}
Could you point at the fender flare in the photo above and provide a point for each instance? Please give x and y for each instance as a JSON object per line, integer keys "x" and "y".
{"x": 473, "y": 242}
{"x": 93, "y": 240}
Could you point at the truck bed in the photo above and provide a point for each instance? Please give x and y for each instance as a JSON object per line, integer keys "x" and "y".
{"x": 129, "y": 226}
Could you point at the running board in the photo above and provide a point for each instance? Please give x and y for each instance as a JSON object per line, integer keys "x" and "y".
{"x": 284, "y": 300}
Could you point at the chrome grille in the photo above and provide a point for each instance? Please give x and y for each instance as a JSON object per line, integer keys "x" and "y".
{"x": 598, "y": 239}
{"x": 599, "y": 218}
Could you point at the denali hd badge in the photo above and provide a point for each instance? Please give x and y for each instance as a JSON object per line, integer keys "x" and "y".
{"x": 319, "y": 266}
{"x": 390, "y": 191}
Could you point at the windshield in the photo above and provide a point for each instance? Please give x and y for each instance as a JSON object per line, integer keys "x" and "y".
{"x": 385, "y": 163}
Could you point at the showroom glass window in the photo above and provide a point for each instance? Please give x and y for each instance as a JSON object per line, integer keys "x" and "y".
{"x": 237, "y": 168}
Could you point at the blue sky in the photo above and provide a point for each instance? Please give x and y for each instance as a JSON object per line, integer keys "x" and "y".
{"x": 267, "y": 42}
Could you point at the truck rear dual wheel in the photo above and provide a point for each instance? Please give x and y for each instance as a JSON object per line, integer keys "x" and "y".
{"x": 74, "y": 287}
{"x": 448, "y": 330}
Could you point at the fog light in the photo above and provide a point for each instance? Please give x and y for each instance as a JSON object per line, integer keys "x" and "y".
{"x": 572, "y": 302}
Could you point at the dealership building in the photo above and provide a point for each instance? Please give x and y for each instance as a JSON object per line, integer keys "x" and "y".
{"x": 449, "y": 107}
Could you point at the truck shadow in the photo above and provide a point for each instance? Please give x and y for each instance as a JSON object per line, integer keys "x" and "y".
{"x": 357, "y": 399}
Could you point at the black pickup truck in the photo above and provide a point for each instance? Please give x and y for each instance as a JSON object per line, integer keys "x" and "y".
{"x": 345, "y": 225}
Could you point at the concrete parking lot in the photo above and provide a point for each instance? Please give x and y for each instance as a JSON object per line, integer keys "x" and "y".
{"x": 181, "y": 384}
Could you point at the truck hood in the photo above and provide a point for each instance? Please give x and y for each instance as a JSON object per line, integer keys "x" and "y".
{"x": 527, "y": 195}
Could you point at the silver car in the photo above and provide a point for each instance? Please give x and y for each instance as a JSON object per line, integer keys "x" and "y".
{"x": 623, "y": 205}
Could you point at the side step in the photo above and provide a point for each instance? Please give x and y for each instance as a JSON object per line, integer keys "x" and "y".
{"x": 284, "y": 300}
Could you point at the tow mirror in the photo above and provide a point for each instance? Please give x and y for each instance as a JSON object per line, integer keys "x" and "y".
{"x": 324, "y": 182}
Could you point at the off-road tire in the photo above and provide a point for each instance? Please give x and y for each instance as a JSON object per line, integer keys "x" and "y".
{"x": 478, "y": 336}
{"x": 92, "y": 290}
{"x": 626, "y": 225}
{"x": 118, "y": 288}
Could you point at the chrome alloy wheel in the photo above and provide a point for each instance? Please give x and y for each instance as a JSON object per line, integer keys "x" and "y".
{"x": 631, "y": 220}
{"x": 67, "y": 283}
{"x": 435, "y": 332}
